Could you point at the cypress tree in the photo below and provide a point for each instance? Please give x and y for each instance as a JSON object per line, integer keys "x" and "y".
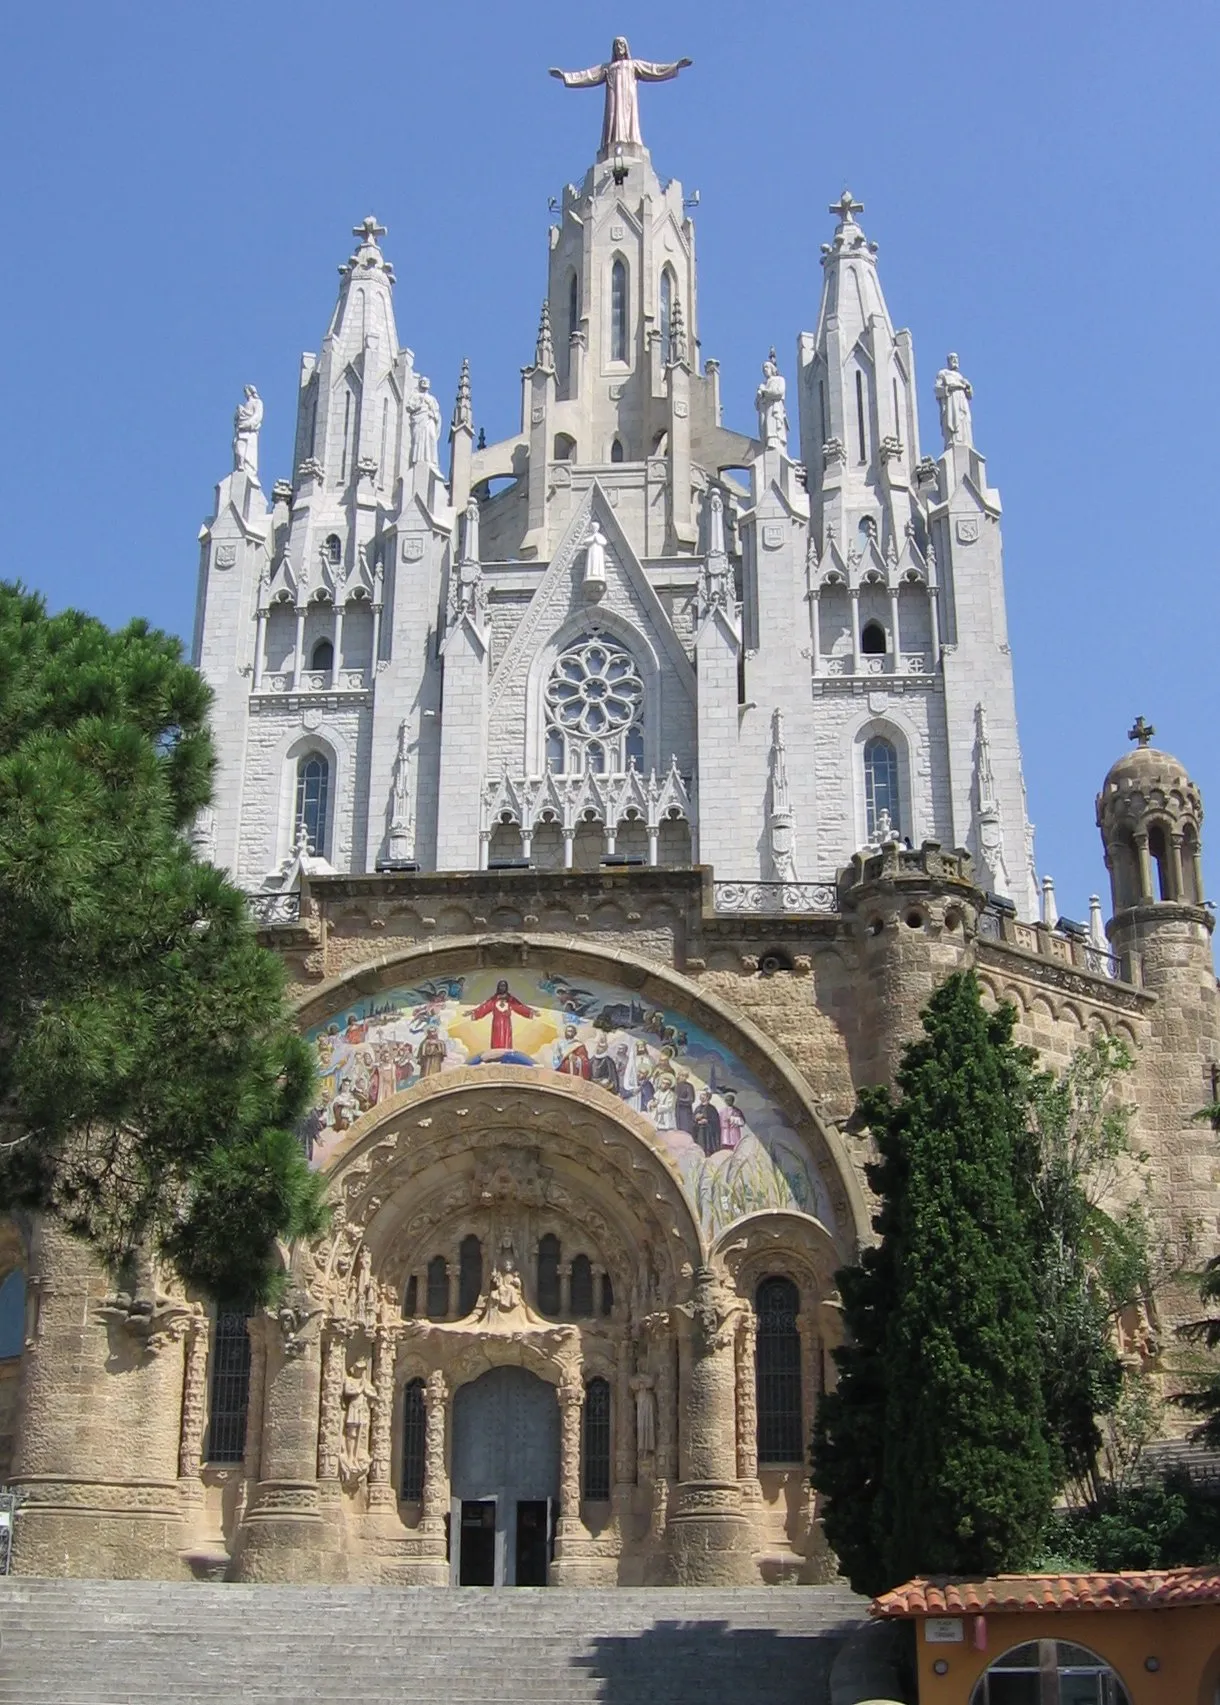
{"x": 931, "y": 1454}
{"x": 150, "y": 1078}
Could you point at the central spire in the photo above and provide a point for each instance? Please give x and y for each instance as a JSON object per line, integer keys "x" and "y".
{"x": 621, "y": 75}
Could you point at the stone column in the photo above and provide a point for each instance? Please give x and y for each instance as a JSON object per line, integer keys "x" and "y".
{"x": 710, "y": 1537}
{"x": 335, "y": 1337}
{"x": 854, "y": 595}
{"x": 385, "y": 1354}
{"x": 815, "y": 629}
{"x": 625, "y": 1443}
{"x": 99, "y": 1423}
{"x": 426, "y": 1564}
{"x": 575, "y": 1564}
{"x": 747, "y": 1403}
{"x": 256, "y": 1326}
{"x": 283, "y": 1536}
{"x": 194, "y": 1408}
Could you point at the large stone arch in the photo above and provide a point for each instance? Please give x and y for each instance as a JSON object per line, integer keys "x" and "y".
{"x": 651, "y": 982}
{"x": 505, "y": 1151}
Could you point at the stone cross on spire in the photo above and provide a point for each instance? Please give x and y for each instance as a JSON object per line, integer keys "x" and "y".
{"x": 1142, "y": 732}
{"x": 621, "y": 74}
{"x": 846, "y": 207}
{"x": 368, "y": 230}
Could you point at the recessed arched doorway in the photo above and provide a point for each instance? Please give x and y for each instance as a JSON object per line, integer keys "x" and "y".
{"x": 505, "y": 1479}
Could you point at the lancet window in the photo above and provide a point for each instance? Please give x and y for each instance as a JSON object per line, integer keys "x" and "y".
{"x": 413, "y": 1431}
{"x": 778, "y": 1371}
{"x": 594, "y": 704}
{"x": 12, "y": 1314}
{"x": 313, "y": 798}
{"x": 548, "y": 1274}
{"x": 322, "y": 657}
{"x": 880, "y": 783}
{"x": 618, "y": 311}
{"x": 595, "y": 1442}
{"x": 872, "y": 640}
{"x": 582, "y": 1287}
{"x": 470, "y": 1275}
{"x": 667, "y": 308}
{"x": 438, "y": 1288}
{"x": 230, "y": 1389}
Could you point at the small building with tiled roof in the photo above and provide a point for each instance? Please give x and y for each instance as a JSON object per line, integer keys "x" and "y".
{"x": 1147, "y": 1637}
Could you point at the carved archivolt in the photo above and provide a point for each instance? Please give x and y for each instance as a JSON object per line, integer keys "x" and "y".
{"x": 774, "y": 1242}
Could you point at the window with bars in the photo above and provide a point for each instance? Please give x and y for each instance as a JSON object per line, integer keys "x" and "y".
{"x": 781, "y": 1436}
{"x": 470, "y": 1275}
{"x": 595, "y": 1442}
{"x": 438, "y": 1288}
{"x": 582, "y": 1286}
{"x": 548, "y": 1274}
{"x": 230, "y": 1389}
{"x": 413, "y": 1429}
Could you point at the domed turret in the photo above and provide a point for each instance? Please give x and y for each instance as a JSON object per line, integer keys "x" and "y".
{"x": 1150, "y": 814}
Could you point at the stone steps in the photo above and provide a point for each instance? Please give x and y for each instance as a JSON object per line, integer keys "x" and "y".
{"x": 135, "y": 1642}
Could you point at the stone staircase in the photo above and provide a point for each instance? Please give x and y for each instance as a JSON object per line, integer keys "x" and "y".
{"x": 123, "y": 1642}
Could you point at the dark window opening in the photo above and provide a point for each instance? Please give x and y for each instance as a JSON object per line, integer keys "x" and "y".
{"x": 322, "y": 656}
{"x": 778, "y": 1369}
{"x": 230, "y": 1394}
{"x": 573, "y": 306}
{"x": 616, "y": 450}
{"x": 470, "y": 1275}
{"x": 1158, "y": 851}
{"x": 860, "y": 415}
{"x": 410, "y": 1307}
{"x": 607, "y": 1295}
{"x": 414, "y": 1420}
{"x": 618, "y": 311}
{"x": 548, "y": 1274}
{"x": 595, "y": 1452}
{"x": 334, "y": 549}
{"x": 872, "y": 640}
{"x": 582, "y": 1287}
{"x": 438, "y": 1288}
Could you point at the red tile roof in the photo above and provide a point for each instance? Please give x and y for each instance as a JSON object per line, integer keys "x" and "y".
{"x": 1152, "y": 1589}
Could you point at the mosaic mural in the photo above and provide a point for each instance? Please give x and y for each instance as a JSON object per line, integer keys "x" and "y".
{"x": 733, "y": 1147}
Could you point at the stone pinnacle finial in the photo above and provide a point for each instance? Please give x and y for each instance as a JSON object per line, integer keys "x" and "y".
{"x": 677, "y": 333}
{"x": 463, "y": 414}
{"x": 544, "y": 351}
{"x": 368, "y": 255}
{"x": 846, "y": 207}
{"x": 1142, "y": 732}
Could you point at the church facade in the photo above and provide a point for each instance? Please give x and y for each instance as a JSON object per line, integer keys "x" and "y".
{"x": 616, "y": 793}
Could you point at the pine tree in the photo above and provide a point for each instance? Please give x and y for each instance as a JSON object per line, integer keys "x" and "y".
{"x": 150, "y": 1079}
{"x": 931, "y": 1454}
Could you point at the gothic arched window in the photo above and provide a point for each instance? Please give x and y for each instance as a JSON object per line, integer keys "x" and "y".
{"x": 860, "y": 428}
{"x": 414, "y": 1420}
{"x": 438, "y": 1288}
{"x": 607, "y": 1294}
{"x": 313, "y": 795}
{"x": 667, "y": 309}
{"x": 322, "y": 657}
{"x": 1158, "y": 852}
{"x": 616, "y": 450}
{"x": 618, "y": 311}
{"x": 595, "y": 1442}
{"x": 334, "y": 549}
{"x": 470, "y": 1275}
{"x": 12, "y": 1314}
{"x": 582, "y": 1287}
{"x": 230, "y": 1389}
{"x": 880, "y": 783}
{"x": 548, "y": 1274}
{"x": 410, "y": 1303}
{"x": 594, "y": 705}
{"x": 872, "y": 640}
{"x": 778, "y": 1371}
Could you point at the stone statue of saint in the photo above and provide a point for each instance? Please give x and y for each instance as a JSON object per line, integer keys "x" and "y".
{"x": 953, "y": 393}
{"x": 246, "y": 422}
{"x": 645, "y": 1414}
{"x": 621, "y": 75}
{"x": 772, "y": 413}
{"x": 358, "y": 1389}
{"x": 595, "y": 561}
{"x": 425, "y": 413}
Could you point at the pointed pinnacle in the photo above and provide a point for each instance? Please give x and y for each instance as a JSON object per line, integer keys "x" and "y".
{"x": 544, "y": 352}
{"x": 463, "y": 414}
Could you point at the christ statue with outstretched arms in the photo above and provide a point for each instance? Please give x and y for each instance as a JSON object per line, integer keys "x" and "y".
{"x": 621, "y": 74}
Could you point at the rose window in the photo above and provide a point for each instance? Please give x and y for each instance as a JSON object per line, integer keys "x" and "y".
{"x": 594, "y": 700}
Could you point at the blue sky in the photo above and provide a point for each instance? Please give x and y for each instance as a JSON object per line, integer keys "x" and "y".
{"x": 180, "y": 182}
